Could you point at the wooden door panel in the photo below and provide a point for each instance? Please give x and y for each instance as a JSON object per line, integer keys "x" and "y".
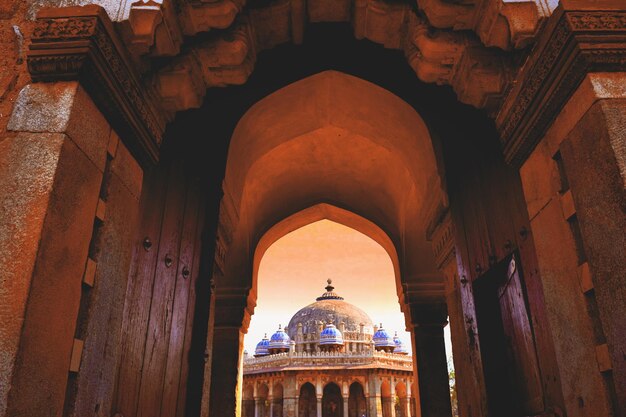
{"x": 520, "y": 342}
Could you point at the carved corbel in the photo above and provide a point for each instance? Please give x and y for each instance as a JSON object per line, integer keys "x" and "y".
{"x": 153, "y": 28}
{"x": 143, "y": 19}
{"x": 381, "y": 22}
{"x": 180, "y": 85}
{"x": 201, "y": 16}
{"x": 272, "y": 24}
{"x": 230, "y": 58}
{"x": 433, "y": 54}
{"x": 504, "y": 24}
{"x": 481, "y": 77}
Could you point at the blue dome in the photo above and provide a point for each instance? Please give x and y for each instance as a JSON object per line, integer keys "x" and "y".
{"x": 262, "y": 346}
{"x": 399, "y": 349}
{"x": 331, "y": 336}
{"x": 382, "y": 339}
{"x": 279, "y": 340}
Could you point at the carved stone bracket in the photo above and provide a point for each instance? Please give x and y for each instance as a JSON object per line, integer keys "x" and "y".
{"x": 477, "y": 74}
{"x": 580, "y": 37}
{"x": 79, "y": 43}
{"x": 503, "y": 24}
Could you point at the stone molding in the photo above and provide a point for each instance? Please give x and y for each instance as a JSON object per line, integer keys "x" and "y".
{"x": 580, "y": 38}
{"x": 79, "y": 43}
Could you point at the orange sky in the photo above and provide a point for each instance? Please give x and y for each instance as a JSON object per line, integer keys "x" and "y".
{"x": 294, "y": 270}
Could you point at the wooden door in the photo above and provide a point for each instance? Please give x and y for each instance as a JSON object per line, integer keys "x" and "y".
{"x": 507, "y": 343}
{"x": 161, "y": 295}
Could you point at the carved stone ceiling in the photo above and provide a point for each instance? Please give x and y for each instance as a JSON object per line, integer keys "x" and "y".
{"x": 461, "y": 43}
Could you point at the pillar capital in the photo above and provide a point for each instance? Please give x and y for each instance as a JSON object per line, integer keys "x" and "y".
{"x": 428, "y": 314}
{"x": 580, "y": 37}
{"x": 231, "y": 307}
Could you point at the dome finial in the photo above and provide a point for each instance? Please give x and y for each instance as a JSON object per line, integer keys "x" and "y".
{"x": 329, "y": 294}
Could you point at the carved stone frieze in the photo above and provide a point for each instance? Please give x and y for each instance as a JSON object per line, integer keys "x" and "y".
{"x": 80, "y": 43}
{"x": 575, "y": 42}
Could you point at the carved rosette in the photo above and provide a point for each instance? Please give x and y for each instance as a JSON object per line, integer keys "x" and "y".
{"x": 574, "y": 43}
{"x": 79, "y": 43}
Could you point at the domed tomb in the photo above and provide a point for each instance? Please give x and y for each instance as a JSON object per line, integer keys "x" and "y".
{"x": 308, "y": 323}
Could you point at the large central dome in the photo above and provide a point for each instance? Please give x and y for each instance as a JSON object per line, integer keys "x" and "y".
{"x": 330, "y": 308}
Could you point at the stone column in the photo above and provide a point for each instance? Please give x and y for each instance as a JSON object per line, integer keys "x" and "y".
{"x": 319, "y": 406}
{"x": 392, "y": 398}
{"x": 231, "y": 322}
{"x": 373, "y": 397}
{"x": 52, "y": 167}
{"x": 271, "y": 400}
{"x": 428, "y": 321}
{"x": 406, "y": 405}
{"x": 258, "y": 402}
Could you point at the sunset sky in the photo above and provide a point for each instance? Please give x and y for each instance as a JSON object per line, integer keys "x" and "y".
{"x": 294, "y": 270}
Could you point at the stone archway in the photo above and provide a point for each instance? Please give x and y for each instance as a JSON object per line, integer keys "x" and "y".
{"x": 81, "y": 44}
{"x": 281, "y": 161}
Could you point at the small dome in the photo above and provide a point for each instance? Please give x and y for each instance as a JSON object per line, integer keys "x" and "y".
{"x": 279, "y": 340}
{"x": 331, "y": 336}
{"x": 262, "y": 347}
{"x": 399, "y": 349}
{"x": 382, "y": 340}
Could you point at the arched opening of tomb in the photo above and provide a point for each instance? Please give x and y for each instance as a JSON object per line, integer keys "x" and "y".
{"x": 247, "y": 409}
{"x": 276, "y": 407}
{"x": 332, "y": 403}
{"x": 307, "y": 401}
{"x": 357, "y": 407}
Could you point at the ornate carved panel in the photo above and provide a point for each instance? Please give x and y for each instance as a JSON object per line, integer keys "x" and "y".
{"x": 576, "y": 42}
{"x": 80, "y": 43}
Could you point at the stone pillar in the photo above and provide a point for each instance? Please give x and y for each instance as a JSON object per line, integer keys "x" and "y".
{"x": 373, "y": 397}
{"x": 258, "y": 402}
{"x": 406, "y": 405}
{"x": 52, "y": 166}
{"x": 271, "y": 400}
{"x": 428, "y": 321}
{"x": 319, "y": 406}
{"x": 392, "y": 398}
{"x": 290, "y": 406}
{"x": 231, "y": 322}
{"x": 345, "y": 406}
{"x": 574, "y": 188}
